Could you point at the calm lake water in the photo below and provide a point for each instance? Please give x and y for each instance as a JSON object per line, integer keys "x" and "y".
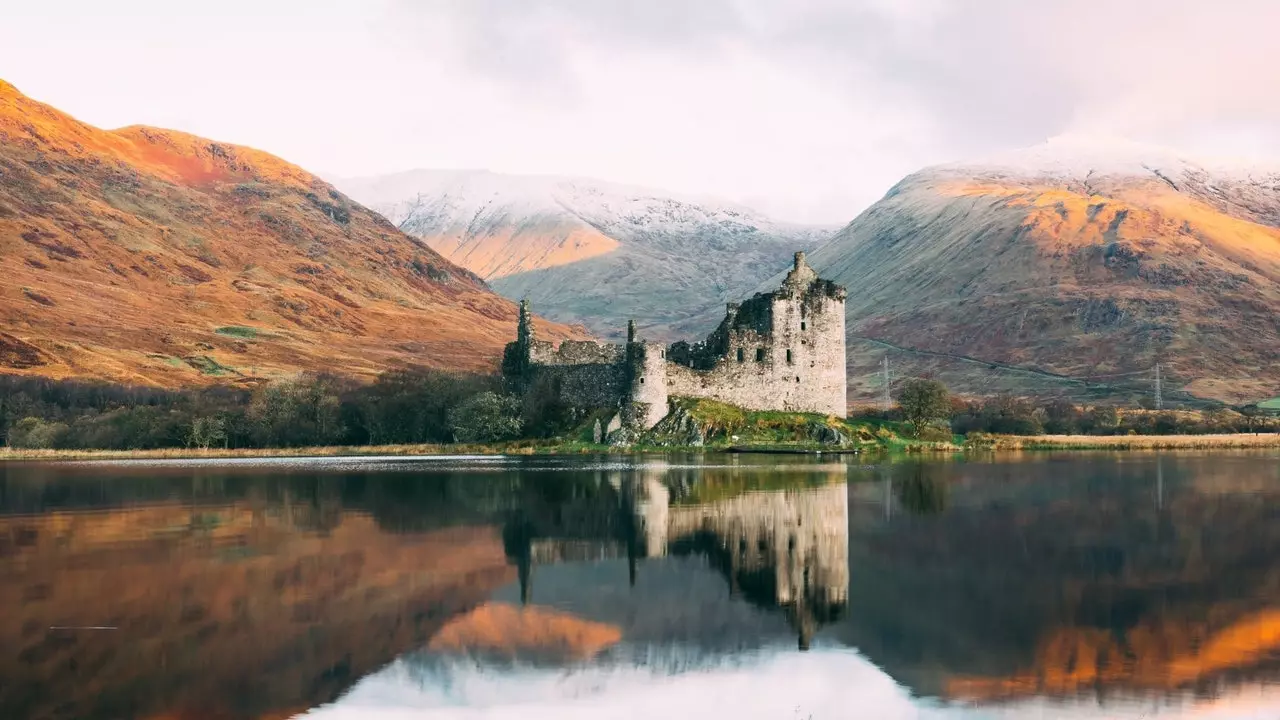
{"x": 772, "y": 587}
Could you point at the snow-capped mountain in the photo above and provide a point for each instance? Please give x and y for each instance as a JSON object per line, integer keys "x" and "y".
{"x": 1081, "y": 262}
{"x": 1087, "y": 164}
{"x": 589, "y": 251}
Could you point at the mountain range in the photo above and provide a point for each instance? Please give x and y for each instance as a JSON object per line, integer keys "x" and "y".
{"x": 1079, "y": 268}
{"x": 1073, "y": 268}
{"x": 153, "y": 257}
{"x": 591, "y": 252}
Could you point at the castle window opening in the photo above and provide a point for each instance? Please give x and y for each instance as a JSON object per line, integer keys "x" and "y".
{"x": 741, "y": 355}
{"x": 788, "y": 356}
{"x": 803, "y": 325}
{"x": 641, "y": 381}
{"x": 797, "y": 378}
{"x": 759, "y": 354}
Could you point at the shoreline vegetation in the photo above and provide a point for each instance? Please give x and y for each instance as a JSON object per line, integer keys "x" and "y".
{"x": 430, "y": 412}
{"x": 995, "y": 443}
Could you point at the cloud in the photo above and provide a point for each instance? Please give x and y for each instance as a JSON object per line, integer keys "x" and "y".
{"x": 987, "y": 71}
{"x": 809, "y": 109}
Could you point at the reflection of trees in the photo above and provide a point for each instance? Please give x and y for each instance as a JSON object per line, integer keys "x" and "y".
{"x": 924, "y": 489}
{"x": 308, "y": 499}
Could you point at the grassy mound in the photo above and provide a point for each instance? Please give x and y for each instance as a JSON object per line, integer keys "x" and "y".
{"x": 707, "y": 423}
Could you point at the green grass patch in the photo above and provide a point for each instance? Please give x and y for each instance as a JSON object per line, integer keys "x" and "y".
{"x": 721, "y": 420}
{"x": 208, "y": 366}
{"x": 1272, "y": 404}
{"x": 169, "y": 360}
{"x": 238, "y": 331}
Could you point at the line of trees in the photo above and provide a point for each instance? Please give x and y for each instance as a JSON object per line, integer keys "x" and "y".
{"x": 931, "y": 412}
{"x": 431, "y": 406}
{"x": 401, "y": 407}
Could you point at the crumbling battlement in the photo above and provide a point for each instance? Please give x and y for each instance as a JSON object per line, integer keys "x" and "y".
{"x": 781, "y": 350}
{"x": 575, "y": 352}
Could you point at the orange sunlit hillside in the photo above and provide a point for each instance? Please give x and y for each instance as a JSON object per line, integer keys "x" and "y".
{"x": 153, "y": 257}
{"x": 1079, "y": 278}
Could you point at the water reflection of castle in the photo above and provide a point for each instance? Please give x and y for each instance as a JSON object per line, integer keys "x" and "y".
{"x": 783, "y": 549}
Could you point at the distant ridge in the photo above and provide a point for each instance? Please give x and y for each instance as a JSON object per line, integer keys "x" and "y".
{"x": 591, "y": 252}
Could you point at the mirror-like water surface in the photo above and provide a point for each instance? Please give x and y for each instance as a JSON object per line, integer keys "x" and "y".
{"x": 1081, "y": 585}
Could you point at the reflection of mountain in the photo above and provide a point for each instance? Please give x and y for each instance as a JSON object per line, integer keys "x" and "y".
{"x": 784, "y": 548}
{"x": 230, "y": 595}
{"x": 253, "y": 593}
{"x": 507, "y": 632}
{"x": 219, "y": 611}
{"x": 1046, "y": 578}
{"x": 258, "y": 592}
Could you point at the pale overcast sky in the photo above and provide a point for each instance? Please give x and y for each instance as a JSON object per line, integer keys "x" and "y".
{"x": 808, "y": 110}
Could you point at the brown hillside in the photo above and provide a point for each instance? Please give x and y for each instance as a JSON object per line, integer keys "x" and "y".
{"x": 149, "y": 256}
{"x": 1069, "y": 277}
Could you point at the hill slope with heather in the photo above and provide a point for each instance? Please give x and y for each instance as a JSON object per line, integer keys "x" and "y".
{"x": 589, "y": 252}
{"x": 153, "y": 257}
{"x": 1074, "y": 267}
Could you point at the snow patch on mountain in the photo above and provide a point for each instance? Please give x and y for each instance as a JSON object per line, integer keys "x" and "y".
{"x": 425, "y": 201}
{"x": 1079, "y": 156}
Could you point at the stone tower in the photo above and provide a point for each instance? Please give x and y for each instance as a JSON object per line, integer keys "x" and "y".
{"x": 808, "y": 342}
{"x": 646, "y": 400}
{"x": 524, "y": 331}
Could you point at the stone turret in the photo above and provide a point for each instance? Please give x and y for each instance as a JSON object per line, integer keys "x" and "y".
{"x": 524, "y": 331}
{"x": 801, "y": 275}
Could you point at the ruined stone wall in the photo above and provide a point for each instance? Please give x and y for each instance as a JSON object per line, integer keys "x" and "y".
{"x": 575, "y": 352}
{"x": 798, "y": 365}
{"x": 594, "y": 385}
{"x": 581, "y": 374}
{"x": 783, "y": 350}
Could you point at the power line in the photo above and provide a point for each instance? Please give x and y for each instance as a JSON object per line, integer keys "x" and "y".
{"x": 1159, "y": 400}
{"x": 888, "y": 402}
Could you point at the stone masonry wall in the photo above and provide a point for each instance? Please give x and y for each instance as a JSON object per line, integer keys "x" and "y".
{"x": 595, "y": 385}
{"x": 575, "y": 352}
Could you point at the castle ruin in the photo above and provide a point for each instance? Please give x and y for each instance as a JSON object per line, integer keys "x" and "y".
{"x": 782, "y": 350}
